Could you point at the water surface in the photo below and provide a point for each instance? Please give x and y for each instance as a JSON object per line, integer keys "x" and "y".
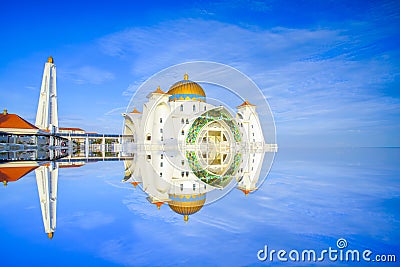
{"x": 308, "y": 201}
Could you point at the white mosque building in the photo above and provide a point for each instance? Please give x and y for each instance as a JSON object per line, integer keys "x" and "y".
{"x": 185, "y": 147}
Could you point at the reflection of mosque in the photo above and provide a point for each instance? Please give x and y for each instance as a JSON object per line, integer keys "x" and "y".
{"x": 185, "y": 148}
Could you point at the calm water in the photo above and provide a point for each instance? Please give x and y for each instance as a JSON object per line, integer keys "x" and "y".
{"x": 309, "y": 200}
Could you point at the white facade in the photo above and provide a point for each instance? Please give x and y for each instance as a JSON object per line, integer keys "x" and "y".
{"x": 71, "y": 130}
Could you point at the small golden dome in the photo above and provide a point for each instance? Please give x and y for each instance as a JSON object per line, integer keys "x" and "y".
{"x": 186, "y": 204}
{"x": 186, "y": 90}
{"x": 50, "y": 235}
{"x": 50, "y": 59}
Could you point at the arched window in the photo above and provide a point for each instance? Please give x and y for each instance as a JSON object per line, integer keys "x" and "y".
{"x": 205, "y": 108}
{"x": 182, "y": 174}
{"x": 160, "y": 120}
{"x": 194, "y": 187}
{"x": 194, "y": 107}
{"x": 182, "y": 121}
{"x": 187, "y": 121}
{"x": 183, "y": 132}
{"x": 182, "y": 162}
{"x": 181, "y": 108}
{"x": 161, "y": 164}
{"x": 181, "y": 187}
{"x": 160, "y": 130}
{"x": 160, "y": 174}
{"x": 162, "y": 156}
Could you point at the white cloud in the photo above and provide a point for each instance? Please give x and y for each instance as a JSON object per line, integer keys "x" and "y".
{"x": 87, "y": 75}
{"x": 153, "y": 48}
{"x": 317, "y": 80}
{"x": 115, "y": 111}
{"x": 87, "y": 220}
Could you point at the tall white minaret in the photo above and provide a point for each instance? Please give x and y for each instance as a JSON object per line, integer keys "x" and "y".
{"x": 47, "y": 114}
{"x": 47, "y": 179}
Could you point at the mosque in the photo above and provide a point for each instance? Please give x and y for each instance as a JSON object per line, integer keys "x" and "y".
{"x": 185, "y": 147}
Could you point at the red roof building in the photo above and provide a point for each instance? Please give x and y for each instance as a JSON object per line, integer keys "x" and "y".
{"x": 12, "y": 123}
{"x": 12, "y": 172}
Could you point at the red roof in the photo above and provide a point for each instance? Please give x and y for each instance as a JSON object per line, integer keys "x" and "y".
{"x": 158, "y": 204}
{"x": 72, "y": 129}
{"x": 15, "y": 121}
{"x": 72, "y": 165}
{"x": 135, "y": 184}
{"x": 245, "y": 103}
{"x": 136, "y": 111}
{"x": 247, "y": 191}
{"x": 12, "y": 174}
{"x": 159, "y": 91}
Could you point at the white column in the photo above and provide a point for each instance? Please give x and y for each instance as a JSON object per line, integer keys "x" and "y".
{"x": 47, "y": 112}
{"x": 47, "y": 179}
{"x": 87, "y": 146}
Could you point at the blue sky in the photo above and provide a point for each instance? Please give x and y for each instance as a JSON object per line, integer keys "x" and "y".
{"x": 329, "y": 69}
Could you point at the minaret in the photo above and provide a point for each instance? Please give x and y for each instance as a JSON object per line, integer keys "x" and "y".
{"x": 47, "y": 114}
{"x": 46, "y": 179}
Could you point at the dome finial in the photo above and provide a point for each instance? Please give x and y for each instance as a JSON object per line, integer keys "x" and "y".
{"x": 50, "y": 59}
{"x": 186, "y": 76}
{"x": 186, "y": 218}
{"x": 5, "y": 183}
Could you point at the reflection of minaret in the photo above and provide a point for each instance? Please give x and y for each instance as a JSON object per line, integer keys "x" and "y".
{"x": 47, "y": 115}
{"x": 46, "y": 178}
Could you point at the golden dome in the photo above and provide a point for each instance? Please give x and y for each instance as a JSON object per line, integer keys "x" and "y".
{"x": 50, "y": 235}
{"x": 186, "y": 90}
{"x": 186, "y": 204}
{"x": 50, "y": 59}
